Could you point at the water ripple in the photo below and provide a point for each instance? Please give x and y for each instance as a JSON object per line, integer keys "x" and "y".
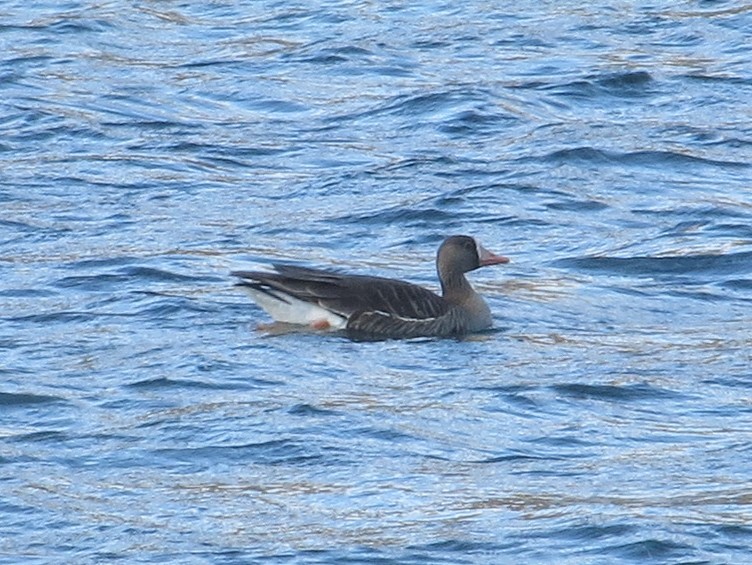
{"x": 22, "y": 399}
{"x": 716, "y": 265}
{"x": 149, "y": 149}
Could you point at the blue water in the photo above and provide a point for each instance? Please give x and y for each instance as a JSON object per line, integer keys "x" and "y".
{"x": 149, "y": 148}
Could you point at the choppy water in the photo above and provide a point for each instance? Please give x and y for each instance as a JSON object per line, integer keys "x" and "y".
{"x": 148, "y": 148}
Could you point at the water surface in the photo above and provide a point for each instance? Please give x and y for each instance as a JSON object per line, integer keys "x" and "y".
{"x": 148, "y": 149}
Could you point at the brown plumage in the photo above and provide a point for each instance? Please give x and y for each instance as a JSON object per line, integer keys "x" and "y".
{"x": 379, "y": 307}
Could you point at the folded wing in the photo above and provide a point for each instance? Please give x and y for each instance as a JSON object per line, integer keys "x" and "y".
{"x": 347, "y": 295}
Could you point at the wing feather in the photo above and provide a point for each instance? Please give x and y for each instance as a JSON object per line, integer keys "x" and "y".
{"x": 348, "y": 294}
{"x": 370, "y": 325}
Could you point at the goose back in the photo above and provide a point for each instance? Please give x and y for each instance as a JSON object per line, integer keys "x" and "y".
{"x": 350, "y": 294}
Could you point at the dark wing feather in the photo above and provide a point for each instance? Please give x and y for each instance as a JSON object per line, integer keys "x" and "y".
{"x": 378, "y": 325}
{"x": 347, "y": 294}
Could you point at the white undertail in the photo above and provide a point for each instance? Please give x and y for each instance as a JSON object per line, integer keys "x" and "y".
{"x": 285, "y": 308}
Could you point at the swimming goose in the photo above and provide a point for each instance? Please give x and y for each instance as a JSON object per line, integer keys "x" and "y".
{"x": 378, "y": 307}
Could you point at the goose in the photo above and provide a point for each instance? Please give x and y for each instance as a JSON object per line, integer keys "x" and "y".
{"x": 377, "y": 307}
